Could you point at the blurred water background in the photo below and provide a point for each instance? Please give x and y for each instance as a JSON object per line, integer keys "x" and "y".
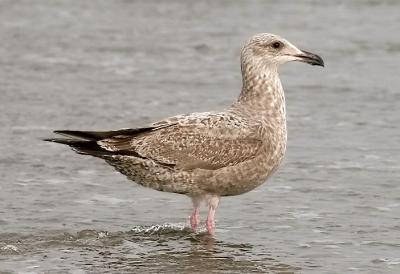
{"x": 332, "y": 208}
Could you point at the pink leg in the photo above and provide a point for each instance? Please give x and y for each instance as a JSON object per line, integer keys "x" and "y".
{"x": 212, "y": 207}
{"x": 195, "y": 217}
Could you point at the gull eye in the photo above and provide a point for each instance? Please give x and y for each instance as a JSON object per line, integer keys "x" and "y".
{"x": 276, "y": 45}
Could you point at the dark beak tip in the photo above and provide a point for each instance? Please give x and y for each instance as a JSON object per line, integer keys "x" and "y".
{"x": 319, "y": 61}
{"x": 312, "y": 59}
{"x": 322, "y": 64}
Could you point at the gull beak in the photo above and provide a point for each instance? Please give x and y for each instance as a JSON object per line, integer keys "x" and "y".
{"x": 309, "y": 58}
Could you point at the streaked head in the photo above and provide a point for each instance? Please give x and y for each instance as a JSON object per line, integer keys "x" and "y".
{"x": 271, "y": 50}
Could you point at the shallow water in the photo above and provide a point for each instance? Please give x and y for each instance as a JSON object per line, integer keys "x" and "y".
{"x": 332, "y": 208}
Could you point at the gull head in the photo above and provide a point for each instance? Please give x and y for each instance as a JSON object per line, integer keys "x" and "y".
{"x": 269, "y": 50}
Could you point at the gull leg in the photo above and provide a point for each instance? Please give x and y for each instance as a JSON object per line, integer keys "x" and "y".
{"x": 212, "y": 207}
{"x": 195, "y": 217}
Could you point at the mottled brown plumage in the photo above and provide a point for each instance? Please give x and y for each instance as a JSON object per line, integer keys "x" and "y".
{"x": 212, "y": 154}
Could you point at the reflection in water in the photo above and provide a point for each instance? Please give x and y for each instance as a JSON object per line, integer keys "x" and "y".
{"x": 167, "y": 248}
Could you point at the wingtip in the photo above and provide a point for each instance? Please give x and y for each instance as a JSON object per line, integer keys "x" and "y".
{"x": 63, "y": 141}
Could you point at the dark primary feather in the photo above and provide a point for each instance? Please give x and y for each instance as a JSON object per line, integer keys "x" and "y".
{"x": 85, "y": 142}
{"x": 90, "y": 147}
{"x": 99, "y": 135}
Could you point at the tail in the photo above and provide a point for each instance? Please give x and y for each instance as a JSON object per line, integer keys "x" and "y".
{"x": 82, "y": 146}
{"x": 99, "y": 135}
{"x": 86, "y": 142}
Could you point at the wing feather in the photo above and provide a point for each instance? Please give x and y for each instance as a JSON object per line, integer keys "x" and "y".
{"x": 207, "y": 145}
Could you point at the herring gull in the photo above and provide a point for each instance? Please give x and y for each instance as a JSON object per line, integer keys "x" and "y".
{"x": 211, "y": 154}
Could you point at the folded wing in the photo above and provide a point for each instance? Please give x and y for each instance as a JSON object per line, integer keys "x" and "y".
{"x": 185, "y": 146}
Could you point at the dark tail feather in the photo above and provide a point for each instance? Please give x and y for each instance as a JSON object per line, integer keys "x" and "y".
{"x": 90, "y": 148}
{"x": 82, "y": 146}
{"x": 63, "y": 141}
{"x": 99, "y": 135}
{"x": 85, "y": 142}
